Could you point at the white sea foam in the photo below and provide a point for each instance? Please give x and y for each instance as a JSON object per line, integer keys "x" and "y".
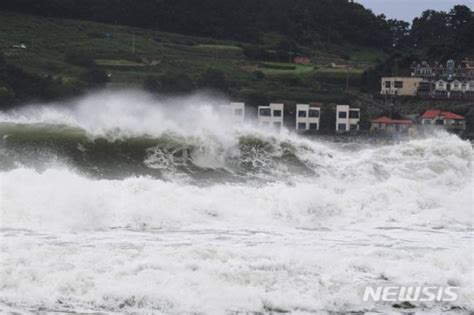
{"x": 389, "y": 214}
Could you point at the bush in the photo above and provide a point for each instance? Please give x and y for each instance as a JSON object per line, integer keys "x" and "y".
{"x": 259, "y": 75}
{"x": 345, "y": 57}
{"x": 213, "y": 79}
{"x": 80, "y": 58}
{"x": 21, "y": 86}
{"x": 278, "y": 66}
{"x": 253, "y": 52}
{"x": 172, "y": 82}
{"x": 95, "y": 78}
{"x": 150, "y": 84}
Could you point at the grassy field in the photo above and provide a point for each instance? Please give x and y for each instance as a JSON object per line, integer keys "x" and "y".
{"x": 130, "y": 55}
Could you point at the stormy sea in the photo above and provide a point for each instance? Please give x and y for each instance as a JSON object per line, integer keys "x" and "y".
{"x": 125, "y": 203}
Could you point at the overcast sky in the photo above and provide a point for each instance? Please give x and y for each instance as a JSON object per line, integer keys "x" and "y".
{"x": 407, "y": 10}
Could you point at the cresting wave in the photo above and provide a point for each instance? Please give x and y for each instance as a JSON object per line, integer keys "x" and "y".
{"x": 119, "y": 202}
{"x": 171, "y": 163}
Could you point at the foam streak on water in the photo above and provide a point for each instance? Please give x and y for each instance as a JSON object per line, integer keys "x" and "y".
{"x": 119, "y": 202}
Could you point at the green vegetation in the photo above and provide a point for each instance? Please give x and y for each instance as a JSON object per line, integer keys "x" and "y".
{"x": 242, "y": 49}
{"x": 66, "y": 57}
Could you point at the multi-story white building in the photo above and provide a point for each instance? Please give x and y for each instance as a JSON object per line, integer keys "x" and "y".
{"x": 233, "y": 111}
{"x": 271, "y": 115}
{"x": 347, "y": 118}
{"x": 441, "y": 89}
{"x": 307, "y": 117}
{"x": 237, "y": 111}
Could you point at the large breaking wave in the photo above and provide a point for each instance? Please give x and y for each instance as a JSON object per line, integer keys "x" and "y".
{"x": 126, "y": 162}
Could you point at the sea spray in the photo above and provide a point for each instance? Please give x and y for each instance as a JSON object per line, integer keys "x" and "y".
{"x": 121, "y": 202}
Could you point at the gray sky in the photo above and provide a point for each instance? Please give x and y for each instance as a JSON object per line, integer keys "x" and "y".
{"x": 407, "y": 10}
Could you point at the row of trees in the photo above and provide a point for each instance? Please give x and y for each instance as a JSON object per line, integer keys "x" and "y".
{"x": 433, "y": 28}
{"x": 181, "y": 82}
{"x": 306, "y": 22}
{"x": 19, "y": 86}
{"x": 303, "y": 21}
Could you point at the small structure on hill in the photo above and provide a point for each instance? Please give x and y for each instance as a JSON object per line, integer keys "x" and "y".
{"x": 20, "y": 46}
{"x": 302, "y": 60}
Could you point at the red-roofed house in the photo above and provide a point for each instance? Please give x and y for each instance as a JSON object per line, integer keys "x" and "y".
{"x": 391, "y": 125}
{"x": 436, "y": 117}
{"x": 302, "y": 60}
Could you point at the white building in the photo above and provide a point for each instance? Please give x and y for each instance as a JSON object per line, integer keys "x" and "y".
{"x": 271, "y": 115}
{"x": 307, "y": 117}
{"x": 347, "y": 118}
{"x": 441, "y": 85}
{"x": 236, "y": 111}
{"x": 456, "y": 85}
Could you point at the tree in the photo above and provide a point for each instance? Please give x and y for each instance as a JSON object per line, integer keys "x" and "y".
{"x": 176, "y": 82}
{"x": 400, "y": 31}
{"x": 431, "y": 28}
{"x": 80, "y": 58}
{"x": 213, "y": 79}
{"x": 95, "y": 78}
{"x": 461, "y": 20}
{"x": 150, "y": 84}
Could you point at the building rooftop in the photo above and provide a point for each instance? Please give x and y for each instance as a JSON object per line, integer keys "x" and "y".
{"x": 386, "y": 120}
{"x": 433, "y": 113}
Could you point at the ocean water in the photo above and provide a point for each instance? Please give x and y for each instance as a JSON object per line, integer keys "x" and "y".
{"x": 120, "y": 202}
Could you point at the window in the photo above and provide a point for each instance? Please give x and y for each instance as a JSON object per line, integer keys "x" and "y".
{"x": 238, "y": 112}
{"x": 353, "y": 126}
{"x": 313, "y": 126}
{"x": 277, "y": 124}
{"x": 302, "y": 113}
{"x": 354, "y": 114}
{"x": 342, "y": 127}
{"x": 314, "y": 113}
{"x": 425, "y": 86}
{"x": 427, "y": 122}
{"x": 387, "y": 84}
{"x": 301, "y": 126}
{"x": 342, "y": 114}
{"x": 277, "y": 113}
{"x": 399, "y": 84}
{"x": 439, "y": 122}
{"x": 265, "y": 112}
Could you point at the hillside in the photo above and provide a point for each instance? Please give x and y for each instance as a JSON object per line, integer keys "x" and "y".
{"x": 64, "y": 57}
{"x": 302, "y": 22}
